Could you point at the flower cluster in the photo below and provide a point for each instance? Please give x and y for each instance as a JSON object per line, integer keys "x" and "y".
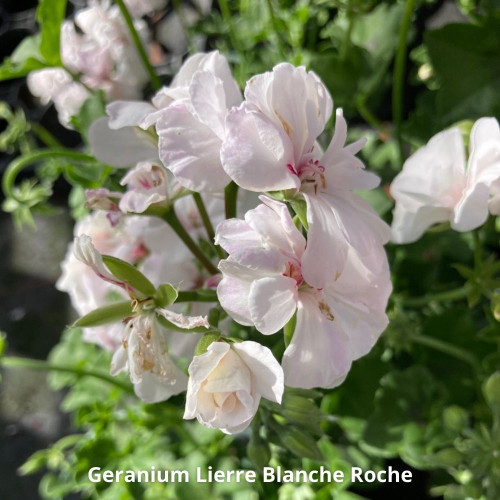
{"x": 305, "y": 258}
{"x": 96, "y": 47}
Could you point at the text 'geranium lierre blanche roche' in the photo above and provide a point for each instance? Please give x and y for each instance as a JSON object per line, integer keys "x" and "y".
{"x": 306, "y": 257}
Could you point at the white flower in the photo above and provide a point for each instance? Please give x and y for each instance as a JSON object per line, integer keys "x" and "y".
{"x": 226, "y": 383}
{"x": 270, "y": 145}
{"x": 96, "y": 46}
{"x": 264, "y": 284}
{"x": 56, "y": 85}
{"x": 147, "y": 184}
{"x": 143, "y": 354}
{"x": 435, "y": 184}
{"x": 191, "y": 121}
{"x": 133, "y": 239}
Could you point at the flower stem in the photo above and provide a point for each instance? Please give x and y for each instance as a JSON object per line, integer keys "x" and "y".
{"x": 450, "y": 295}
{"x": 399, "y": 72}
{"x": 44, "y": 135}
{"x": 230, "y": 197}
{"x": 15, "y": 167}
{"x": 197, "y": 296}
{"x": 276, "y": 28}
{"x": 171, "y": 218}
{"x": 446, "y": 348}
{"x": 207, "y": 223}
{"x": 155, "y": 81}
{"x": 36, "y": 364}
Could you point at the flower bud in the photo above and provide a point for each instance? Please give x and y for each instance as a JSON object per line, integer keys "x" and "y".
{"x": 491, "y": 389}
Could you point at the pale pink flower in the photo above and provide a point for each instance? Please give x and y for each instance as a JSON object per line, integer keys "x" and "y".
{"x": 227, "y": 382}
{"x": 143, "y": 351}
{"x": 191, "y": 120}
{"x": 146, "y": 184}
{"x": 96, "y": 46}
{"x": 437, "y": 185}
{"x": 270, "y": 145}
{"x": 264, "y": 284}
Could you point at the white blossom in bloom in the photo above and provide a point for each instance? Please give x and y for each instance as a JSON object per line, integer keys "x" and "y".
{"x": 57, "y": 86}
{"x": 438, "y": 185}
{"x": 96, "y": 46}
{"x": 87, "y": 292}
{"x": 118, "y": 140}
{"x": 270, "y": 145}
{"x": 192, "y": 126}
{"x": 138, "y": 8}
{"x": 146, "y": 184}
{"x": 143, "y": 350}
{"x": 227, "y": 382}
{"x": 264, "y": 284}
{"x": 189, "y": 116}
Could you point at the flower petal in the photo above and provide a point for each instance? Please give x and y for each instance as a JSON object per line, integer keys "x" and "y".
{"x": 190, "y": 150}
{"x": 267, "y": 373}
{"x": 255, "y": 152}
{"x": 272, "y": 302}
{"x": 318, "y": 353}
{"x": 120, "y": 148}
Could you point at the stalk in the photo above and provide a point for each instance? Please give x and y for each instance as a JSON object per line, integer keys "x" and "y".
{"x": 16, "y": 166}
{"x": 36, "y": 364}
{"x": 155, "y": 81}
{"x": 399, "y": 71}
{"x": 230, "y": 198}
{"x": 207, "y": 223}
{"x": 171, "y": 218}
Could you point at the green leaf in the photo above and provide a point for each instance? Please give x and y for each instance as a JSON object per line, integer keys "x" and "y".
{"x": 205, "y": 341}
{"x": 165, "y": 295}
{"x": 300, "y": 208}
{"x": 289, "y": 329}
{"x": 93, "y": 108}
{"x": 105, "y": 315}
{"x": 129, "y": 274}
{"x": 466, "y": 59}
{"x": 258, "y": 451}
{"x": 301, "y": 443}
{"x": 25, "y": 58}
{"x": 50, "y": 15}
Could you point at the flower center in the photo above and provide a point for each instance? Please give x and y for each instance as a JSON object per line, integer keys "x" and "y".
{"x": 293, "y": 271}
{"x": 310, "y": 172}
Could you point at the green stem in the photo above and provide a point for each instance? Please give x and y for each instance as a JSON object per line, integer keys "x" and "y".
{"x": 347, "y": 39}
{"x": 450, "y": 295}
{"x": 35, "y": 364}
{"x": 155, "y": 81}
{"x": 207, "y": 223}
{"x": 16, "y": 166}
{"x": 366, "y": 114}
{"x": 171, "y": 218}
{"x": 478, "y": 249}
{"x": 276, "y": 28}
{"x": 228, "y": 19}
{"x": 399, "y": 72}
{"x": 44, "y": 135}
{"x": 77, "y": 78}
{"x": 446, "y": 348}
{"x": 197, "y": 296}
{"x": 230, "y": 198}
